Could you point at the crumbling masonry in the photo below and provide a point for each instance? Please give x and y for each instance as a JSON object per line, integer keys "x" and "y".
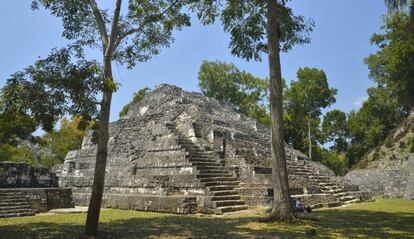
{"x": 181, "y": 152}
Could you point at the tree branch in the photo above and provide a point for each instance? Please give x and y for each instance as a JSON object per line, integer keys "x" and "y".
{"x": 144, "y": 23}
{"x": 100, "y": 22}
{"x": 114, "y": 29}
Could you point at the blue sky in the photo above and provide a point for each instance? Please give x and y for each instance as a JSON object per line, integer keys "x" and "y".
{"x": 339, "y": 44}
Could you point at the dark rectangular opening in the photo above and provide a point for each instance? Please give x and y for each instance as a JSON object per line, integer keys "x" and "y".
{"x": 270, "y": 192}
{"x": 260, "y": 170}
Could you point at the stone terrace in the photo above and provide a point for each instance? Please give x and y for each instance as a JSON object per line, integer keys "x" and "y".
{"x": 181, "y": 152}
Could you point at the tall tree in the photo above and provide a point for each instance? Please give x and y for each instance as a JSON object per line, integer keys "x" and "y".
{"x": 226, "y": 83}
{"x": 392, "y": 66}
{"x": 134, "y": 37}
{"x": 398, "y": 5}
{"x": 335, "y": 128}
{"x": 369, "y": 126}
{"x": 256, "y": 27}
{"x": 306, "y": 98}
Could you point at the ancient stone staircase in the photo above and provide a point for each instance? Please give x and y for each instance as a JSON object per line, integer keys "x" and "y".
{"x": 14, "y": 204}
{"x": 326, "y": 184}
{"x": 220, "y": 184}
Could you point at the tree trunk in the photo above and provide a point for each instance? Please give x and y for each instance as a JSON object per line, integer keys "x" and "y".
{"x": 309, "y": 138}
{"x": 282, "y": 205}
{"x": 412, "y": 17}
{"x": 95, "y": 201}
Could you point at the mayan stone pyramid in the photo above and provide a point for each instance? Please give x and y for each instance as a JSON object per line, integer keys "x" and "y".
{"x": 182, "y": 152}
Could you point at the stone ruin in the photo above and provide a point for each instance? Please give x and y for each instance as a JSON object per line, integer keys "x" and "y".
{"x": 181, "y": 152}
{"x": 26, "y": 190}
{"x": 397, "y": 182}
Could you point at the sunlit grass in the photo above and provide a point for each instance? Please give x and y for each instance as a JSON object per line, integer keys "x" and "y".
{"x": 385, "y": 218}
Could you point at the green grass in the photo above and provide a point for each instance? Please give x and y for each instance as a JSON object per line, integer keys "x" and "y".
{"x": 385, "y": 218}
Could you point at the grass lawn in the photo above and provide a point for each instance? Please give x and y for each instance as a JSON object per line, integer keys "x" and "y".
{"x": 385, "y": 218}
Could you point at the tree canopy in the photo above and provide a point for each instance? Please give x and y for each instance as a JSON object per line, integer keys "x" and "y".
{"x": 226, "y": 83}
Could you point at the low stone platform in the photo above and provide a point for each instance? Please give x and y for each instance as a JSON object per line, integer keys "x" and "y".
{"x": 34, "y": 200}
{"x": 155, "y": 203}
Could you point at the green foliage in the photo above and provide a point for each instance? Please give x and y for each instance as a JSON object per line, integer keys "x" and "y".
{"x": 335, "y": 128}
{"x": 56, "y": 144}
{"x": 369, "y": 126}
{"x": 14, "y": 123}
{"x": 304, "y": 100}
{"x": 48, "y": 150}
{"x": 310, "y": 93}
{"x": 338, "y": 162}
{"x": 54, "y": 87}
{"x": 21, "y": 153}
{"x": 246, "y": 22}
{"x": 396, "y": 5}
{"x": 228, "y": 84}
{"x": 138, "y": 96}
{"x": 146, "y": 27}
{"x": 392, "y": 66}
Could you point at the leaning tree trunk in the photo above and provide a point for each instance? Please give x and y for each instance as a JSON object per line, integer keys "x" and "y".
{"x": 95, "y": 201}
{"x": 282, "y": 206}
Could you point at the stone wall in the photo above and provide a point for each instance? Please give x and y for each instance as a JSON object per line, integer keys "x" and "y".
{"x": 394, "y": 183}
{"x": 45, "y": 199}
{"x": 22, "y": 175}
{"x": 155, "y": 203}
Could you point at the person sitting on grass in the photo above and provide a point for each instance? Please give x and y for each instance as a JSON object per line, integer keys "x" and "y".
{"x": 299, "y": 207}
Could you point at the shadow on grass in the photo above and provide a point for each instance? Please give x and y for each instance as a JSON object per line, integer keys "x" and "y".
{"x": 361, "y": 224}
{"x": 327, "y": 224}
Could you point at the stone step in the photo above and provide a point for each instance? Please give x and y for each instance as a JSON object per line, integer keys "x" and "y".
{"x": 22, "y": 214}
{"x": 332, "y": 191}
{"x": 318, "y": 177}
{"x": 327, "y": 184}
{"x": 11, "y": 196}
{"x": 333, "y": 187}
{"x": 199, "y": 154}
{"x": 304, "y": 173}
{"x": 2, "y": 204}
{"x": 225, "y": 203}
{"x": 202, "y": 161}
{"x": 321, "y": 180}
{"x": 190, "y": 159}
{"x": 347, "y": 193}
{"x": 225, "y": 193}
{"x": 224, "y": 183}
{"x": 221, "y": 210}
{"x": 220, "y": 188}
{"x": 346, "y": 198}
{"x": 214, "y": 175}
{"x": 198, "y": 163}
{"x": 218, "y": 179}
{"x": 8, "y": 193}
{"x": 208, "y": 168}
{"x": 18, "y": 210}
{"x": 19, "y": 207}
{"x": 356, "y": 200}
{"x": 223, "y": 198}
{"x": 15, "y": 199}
{"x": 207, "y": 173}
